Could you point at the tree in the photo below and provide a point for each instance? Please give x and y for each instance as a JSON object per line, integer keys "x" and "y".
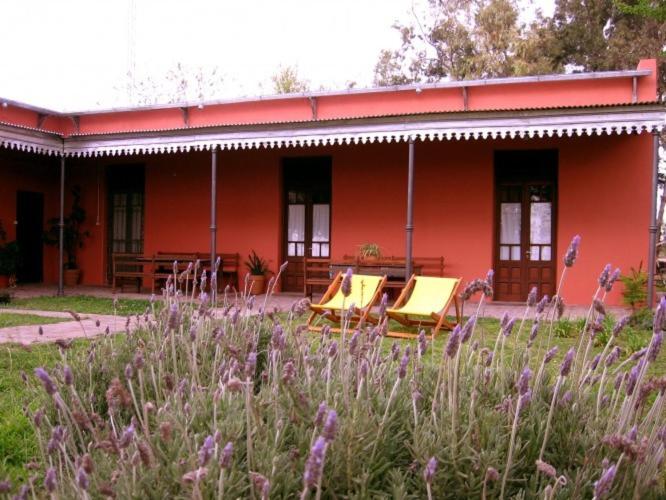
{"x": 181, "y": 83}
{"x": 287, "y": 81}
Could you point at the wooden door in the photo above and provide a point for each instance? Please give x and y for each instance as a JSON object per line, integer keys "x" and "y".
{"x": 29, "y": 235}
{"x": 307, "y": 215}
{"x": 525, "y": 223}
{"x": 125, "y": 184}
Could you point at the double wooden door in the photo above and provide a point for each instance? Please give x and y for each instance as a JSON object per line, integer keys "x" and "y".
{"x": 307, "y": 217}
{"x": 525, "y": 223}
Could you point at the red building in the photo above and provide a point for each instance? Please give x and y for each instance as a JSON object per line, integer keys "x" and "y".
{"x": 504, "y": 172}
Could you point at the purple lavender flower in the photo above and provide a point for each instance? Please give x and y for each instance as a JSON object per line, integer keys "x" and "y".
{"x": 595, "y": 362}
{"x": 50, "y": 480}
{"x": 532, "y": 297}
{"x": 395, "y": 351}
{"x": 345, "y": 287}
{"x": 422, "y": 343}
{"x": 250, "y": 364}
{"x": 402, "y": 368}
{"x": 492, "y": 474}
{"x": 566, "y": 398}
{"x": 524, "y": 380}
{"x": 467, "y": 328}
{"x": 206, "y": 450}
{"x": 332, "y": 349}
{"x": 550, "y": 354}
{"x": 633, "y": 434}
{"x": 363, "y": 369}
{"x": 542, "y": 304}
{"x": 430, "y": 470}
{"x": 454, "y": 342}
{"x": 126, "y": 437}
{"x": 524, "y": 400}
{"x": 129, "y": 371}
{"x": 82, "y": 479}
{"x": 277, "y": 338}
{"x": 613, "y": 356}
{"x": 603, "y": 485}
{"x": 604, "y": 276}
{"x": 613, "y": 278}
{"x": 225, "y": 456}
{"x": 174, "y": 316}
{"x": 504, "y": 320}
{"x": 353, "y": 342}
{"x": 533, "y": 334}
{"x": 508, "y": 328}
{"x": 321, "y": 413}
{"x": 619, "y": 325}
{"x": 572, "y": 251}
{"x": 659, "y": 315}
{"x": 288, "y": 372}
{"x": 315, "y": 463}
{"x": 5, "y": 486}
{"x": 633, "y": 377}
{"x": 638, "y": 354}
{"x": 57, "y": 437}
{"x": 565, "y": 368}
{"x": 138, "y": 360}
{"x": 330, "y": 426}
{"x": 383, "y": 305}
{"x": 68, "y": 376}
{"x": 47, "y": 382}
{"x": 655, "y": 345}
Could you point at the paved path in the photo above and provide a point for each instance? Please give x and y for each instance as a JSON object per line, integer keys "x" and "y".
{"x": 87, "y": 327}
{"x": 283, "y": 301}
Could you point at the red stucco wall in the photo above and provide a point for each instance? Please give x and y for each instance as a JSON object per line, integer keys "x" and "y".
{"x": 603, "y": 192}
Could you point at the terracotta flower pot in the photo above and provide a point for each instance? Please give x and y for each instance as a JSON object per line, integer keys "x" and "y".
{"x": 4, "y": 281}
{"x": 257, "y": 284}
{"x": 71, "y": 277}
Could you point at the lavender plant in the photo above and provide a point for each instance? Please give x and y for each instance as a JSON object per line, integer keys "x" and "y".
{"x": 214, "y": 397}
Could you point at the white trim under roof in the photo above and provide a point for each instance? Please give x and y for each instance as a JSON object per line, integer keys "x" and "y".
{"x": 491, "y": 125}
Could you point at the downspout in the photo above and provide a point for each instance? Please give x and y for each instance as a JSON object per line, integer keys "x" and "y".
{"x": 409, "y": 226}
{"x": 213, "y": 211}
{"x": 652, "y": 251}
{"x": 61, "y": 230}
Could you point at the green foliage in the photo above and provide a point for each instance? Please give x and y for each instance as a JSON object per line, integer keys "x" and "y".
{"x": 567, "y": 329}
{"x": 635, "y": 287}
{"x": 641, "y": 319}
{"x": 82, "y": 304}
{"x": 189, "y": 373}
{"x": 646, "y": 8}
{"x": 5, "y": 297}
{"x": 10, "y": 255}
{"x": 74, "y": 235}
{"x": 287, "y": 81}
{"x": 369, "y": 250}
{"x": 256, "y": 265}
{"x": 18, "y": 319}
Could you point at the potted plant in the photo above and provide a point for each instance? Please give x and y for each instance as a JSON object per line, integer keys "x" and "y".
{"x": 73, "y": 237}
{"x": 369, "y": 252}
{"x": 635, "y": 288}
{"x": 9, "y": 258}
{"x": 258, "y": 269}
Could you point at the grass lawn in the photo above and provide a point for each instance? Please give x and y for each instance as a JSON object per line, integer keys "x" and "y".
{"x": 81, "y": 304}
{"x": 17, "y": 441}
{"x": 16, "y": 319}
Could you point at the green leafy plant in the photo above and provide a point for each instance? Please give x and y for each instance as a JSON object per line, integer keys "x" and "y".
{"x": 369, "y": 250}
{"x": 73, "y": 233}
{"x": 256, "y": 265}
{"x": 5, "y": 298}
{"x": 10, "y": 256}
{"x": 635, "y": 287}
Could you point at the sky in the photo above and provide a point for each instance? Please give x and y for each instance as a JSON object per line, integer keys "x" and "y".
{"x": 73, "y": 55}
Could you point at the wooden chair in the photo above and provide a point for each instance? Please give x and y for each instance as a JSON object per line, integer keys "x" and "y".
{"x": 128, "y": 266}
{"x": 365, "y": 293}
{"x": 424, "y": 301}
{"x": 316, "y": 272}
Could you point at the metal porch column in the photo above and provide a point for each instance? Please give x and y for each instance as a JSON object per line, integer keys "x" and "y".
{"x": 409, "y": 226}
{"x": 652, "y": 251}
{"x": 61, "y": 230}
{"x": 213, "y": 209}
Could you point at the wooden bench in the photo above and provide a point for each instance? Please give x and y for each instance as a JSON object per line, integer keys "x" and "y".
{"x": 316, "y": 273}
{"x": 229, "y": 269}
{"x": 129, "y": 265}
{"x": 163, "y": 265}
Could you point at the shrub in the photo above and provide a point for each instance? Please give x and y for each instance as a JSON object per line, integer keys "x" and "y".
{"x": 635, "y": 287}
{"x": 202, "y": 402}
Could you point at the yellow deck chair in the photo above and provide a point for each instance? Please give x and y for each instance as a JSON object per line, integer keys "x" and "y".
{"x": 424, "y": 301}
{"x": 365, "y": 292}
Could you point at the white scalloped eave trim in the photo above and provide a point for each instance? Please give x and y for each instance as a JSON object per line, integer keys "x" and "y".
{"x": 30, "y": 147}
{"x": 291, "y": 139}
